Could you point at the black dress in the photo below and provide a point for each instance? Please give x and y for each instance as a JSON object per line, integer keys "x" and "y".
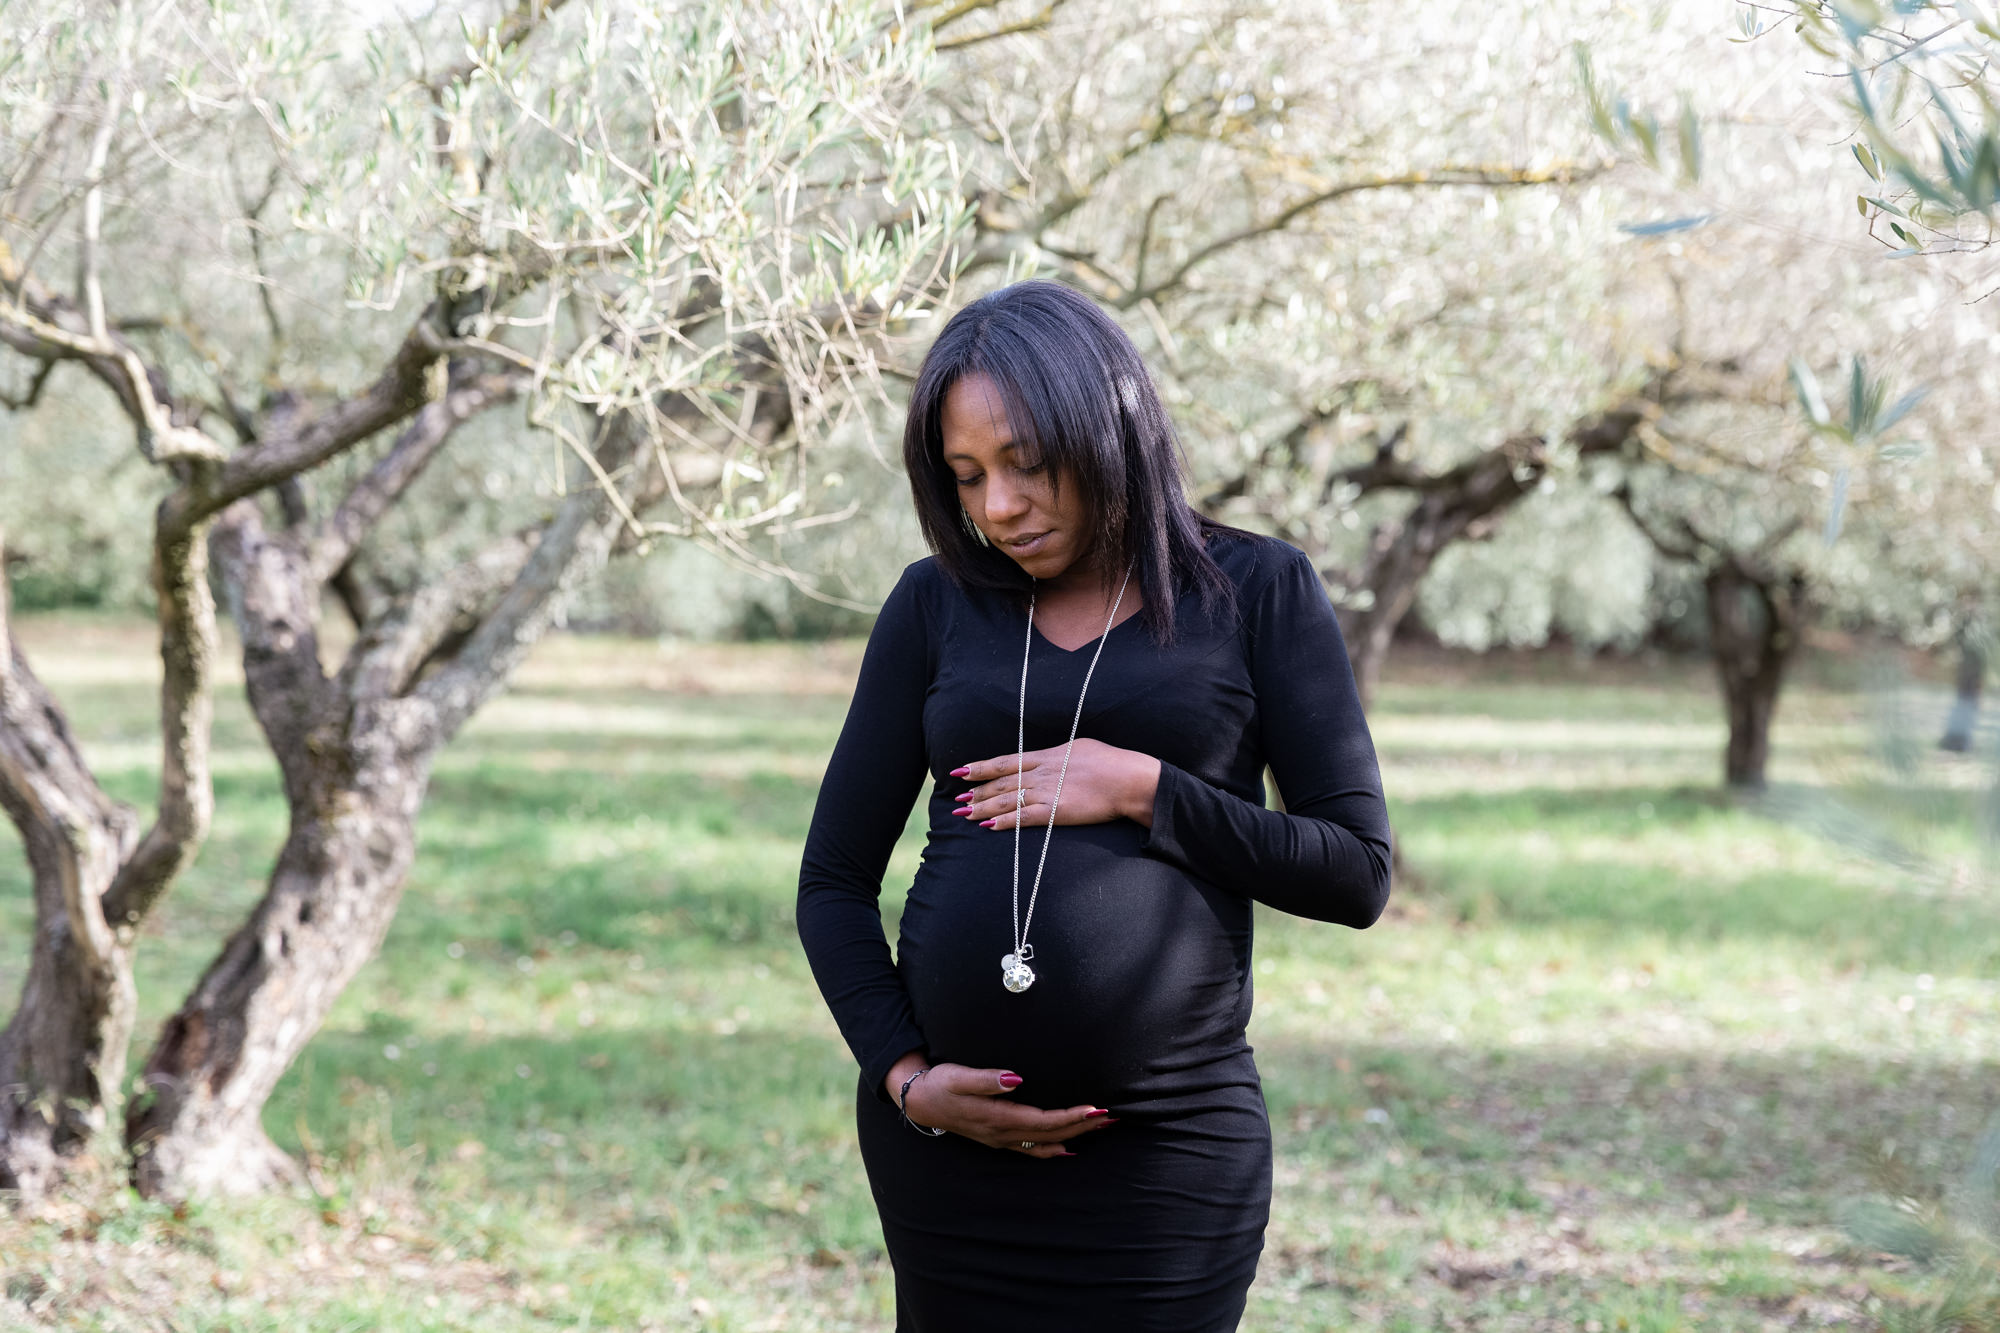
{"x": 1142, "y": 939}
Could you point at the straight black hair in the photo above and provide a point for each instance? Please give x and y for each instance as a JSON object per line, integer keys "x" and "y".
{"x": 1077, "y": 398}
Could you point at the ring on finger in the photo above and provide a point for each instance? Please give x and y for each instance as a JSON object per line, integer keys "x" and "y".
{"x": 1028, "y": 1146}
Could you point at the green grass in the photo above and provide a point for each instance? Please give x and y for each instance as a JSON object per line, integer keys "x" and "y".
{"x": 1613, "y": 1065}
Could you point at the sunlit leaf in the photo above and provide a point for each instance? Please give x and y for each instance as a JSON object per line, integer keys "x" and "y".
{"x": 1690, "y": 143}
{"x": 1900, "y": 409}
{"x": 1806, "y": 385}
{"x": 1665, "y": 225}
{"x": 1836, "y": 507}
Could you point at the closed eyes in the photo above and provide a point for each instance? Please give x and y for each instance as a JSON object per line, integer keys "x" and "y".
{"x": 1033, "y": 471}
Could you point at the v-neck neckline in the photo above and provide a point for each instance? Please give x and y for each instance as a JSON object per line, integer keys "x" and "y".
{"x": 1072, "y": 652}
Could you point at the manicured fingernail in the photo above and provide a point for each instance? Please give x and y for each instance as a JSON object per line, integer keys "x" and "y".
{"x": 1065, "y": 1154}
{"x": 1092, "y": 1115}
{"x": 989, "y": 823}
{"x": 963, "y": 796}
{"x": 963, "y": 809}
{"x": 1010, "y": 1080}
{"x": 961, "y": 772}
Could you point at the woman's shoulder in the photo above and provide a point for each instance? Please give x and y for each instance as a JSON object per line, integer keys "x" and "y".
{"x": 926, "y": 587}
{"x": 1252, "y": 559}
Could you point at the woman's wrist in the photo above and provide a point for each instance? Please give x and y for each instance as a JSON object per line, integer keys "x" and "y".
{"x": 1141, "y": 788}
{"x": 900, "y": 1072}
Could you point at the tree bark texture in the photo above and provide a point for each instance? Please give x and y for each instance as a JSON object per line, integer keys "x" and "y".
{"x": 196, "y": 1126}
{"x": 62, "y": 1055}
{"x": 64, "y": 1051}
{"x": 355, "y": 750}
{"x": 1753, "y": 625}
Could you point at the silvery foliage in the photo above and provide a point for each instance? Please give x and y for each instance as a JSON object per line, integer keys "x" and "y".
{"x": 1919, "y": 85}
{"x": 1849, "y": 413}
{"x": 670, "y": 210}
{"x": 1262, "y": 195}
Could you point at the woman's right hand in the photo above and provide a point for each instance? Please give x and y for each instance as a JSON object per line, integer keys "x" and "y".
{"x": 969, "y": 1102}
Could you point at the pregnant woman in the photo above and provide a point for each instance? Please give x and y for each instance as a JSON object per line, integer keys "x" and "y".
{"x": 1058, "y": 1111}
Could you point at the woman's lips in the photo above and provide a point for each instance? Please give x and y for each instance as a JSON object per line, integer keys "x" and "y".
{"x": 1028, "y": 547}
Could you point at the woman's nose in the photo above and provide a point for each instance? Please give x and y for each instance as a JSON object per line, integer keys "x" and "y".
{"x": 1004, "y": 501}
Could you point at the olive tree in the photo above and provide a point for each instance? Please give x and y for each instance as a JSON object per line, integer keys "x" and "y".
{"x": 1357, "y": 252}
{"x": 1925, "y": 103}
{"x": 1793, "y": 503}
{"x": 660, "y": 245}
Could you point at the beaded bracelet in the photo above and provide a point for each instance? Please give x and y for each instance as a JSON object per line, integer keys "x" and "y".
{"x": 903, "y": 1105}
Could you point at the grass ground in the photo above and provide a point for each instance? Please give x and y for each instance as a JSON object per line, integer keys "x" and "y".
{"x": 1614, "y": 1065}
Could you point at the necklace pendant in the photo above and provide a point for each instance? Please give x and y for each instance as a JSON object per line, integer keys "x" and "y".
{"x": 1016, "y": 975}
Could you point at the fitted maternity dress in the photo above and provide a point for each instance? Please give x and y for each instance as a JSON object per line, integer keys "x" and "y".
{"x": 1141, "y": 937}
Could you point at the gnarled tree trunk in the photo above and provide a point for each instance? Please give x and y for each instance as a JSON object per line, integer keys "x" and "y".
{"x": 356, "y": 750}
{"x": 1964, "y": 718}
{"x": 1460, "y": 504}
{"x": 1753, "y": 627}
{"x": 197, "y": 1126}
{"x": 63, "y": 1053}
{"x": 62, "y": 1056}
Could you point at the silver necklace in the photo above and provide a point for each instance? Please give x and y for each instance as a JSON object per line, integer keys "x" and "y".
{"x": 1015, "y": 974}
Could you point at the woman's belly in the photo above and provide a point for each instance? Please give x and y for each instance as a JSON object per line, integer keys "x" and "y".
{"x": 1140, "y": 990}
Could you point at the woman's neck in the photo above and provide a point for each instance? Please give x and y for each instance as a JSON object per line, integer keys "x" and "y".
{"x": 1085, "y": 576}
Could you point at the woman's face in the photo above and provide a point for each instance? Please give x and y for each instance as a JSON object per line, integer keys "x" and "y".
{"x": 1014, "y": 505}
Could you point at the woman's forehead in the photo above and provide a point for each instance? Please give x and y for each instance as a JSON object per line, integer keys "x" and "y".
{"x": 974, "y": 417}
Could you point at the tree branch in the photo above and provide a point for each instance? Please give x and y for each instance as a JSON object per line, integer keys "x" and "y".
{"x": 1439, "y": 176}
{"x": 330, "y": 547}
{"x": 575, "y": 540}
{"x": 1688, "y": 551}
{"x": 392, "y": 649}
{"x": 35, "y": 387}
{"x": 89, "y": 283}
{"x": 306, "y": 441}
{"x": 1033, "y": 23}
{"x": 276, "y": 612}
{"x": 45, "y": 327}
{"x": 65, "y": 819}
{"x": 187, "y": 709}
{"x": 520, "y": 23}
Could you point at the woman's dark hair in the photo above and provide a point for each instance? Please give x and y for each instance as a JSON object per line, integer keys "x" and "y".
{"x": 1079, "y": 399}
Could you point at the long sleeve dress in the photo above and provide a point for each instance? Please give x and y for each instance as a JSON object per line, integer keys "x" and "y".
{"x": 1141, "y": 936}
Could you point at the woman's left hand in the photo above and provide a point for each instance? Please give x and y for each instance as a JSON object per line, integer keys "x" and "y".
{"x": 1103, "y": 783}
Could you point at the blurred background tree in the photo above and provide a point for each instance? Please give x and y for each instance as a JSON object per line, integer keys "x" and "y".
{"x": 1829, "y": 475}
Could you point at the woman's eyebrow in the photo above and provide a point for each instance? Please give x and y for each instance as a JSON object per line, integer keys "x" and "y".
{"x": 963, "y": 457}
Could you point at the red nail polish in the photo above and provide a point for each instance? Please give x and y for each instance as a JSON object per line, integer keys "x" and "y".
{"x": 1092, "y": 1115}
{"x": 963, "y": 810}
{"x": 1065, "y": 1154}
{"x": 961, "y": 772}
{"x": 989, "y": 823}
{"x": 1010, "y": 1080}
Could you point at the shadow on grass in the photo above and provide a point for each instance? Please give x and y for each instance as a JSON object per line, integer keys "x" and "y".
{"x": 1782, "y": 1135}
{"x": 725, "y": 1136}
{"x": 1683, "y": 864}
{"x": 717, "y": 1137}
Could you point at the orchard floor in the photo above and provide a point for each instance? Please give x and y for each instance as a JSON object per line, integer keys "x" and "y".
{"x": 1617, "y": 1062}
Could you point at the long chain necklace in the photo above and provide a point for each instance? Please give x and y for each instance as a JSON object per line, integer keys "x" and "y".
{"x": 1015, "y": 974}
